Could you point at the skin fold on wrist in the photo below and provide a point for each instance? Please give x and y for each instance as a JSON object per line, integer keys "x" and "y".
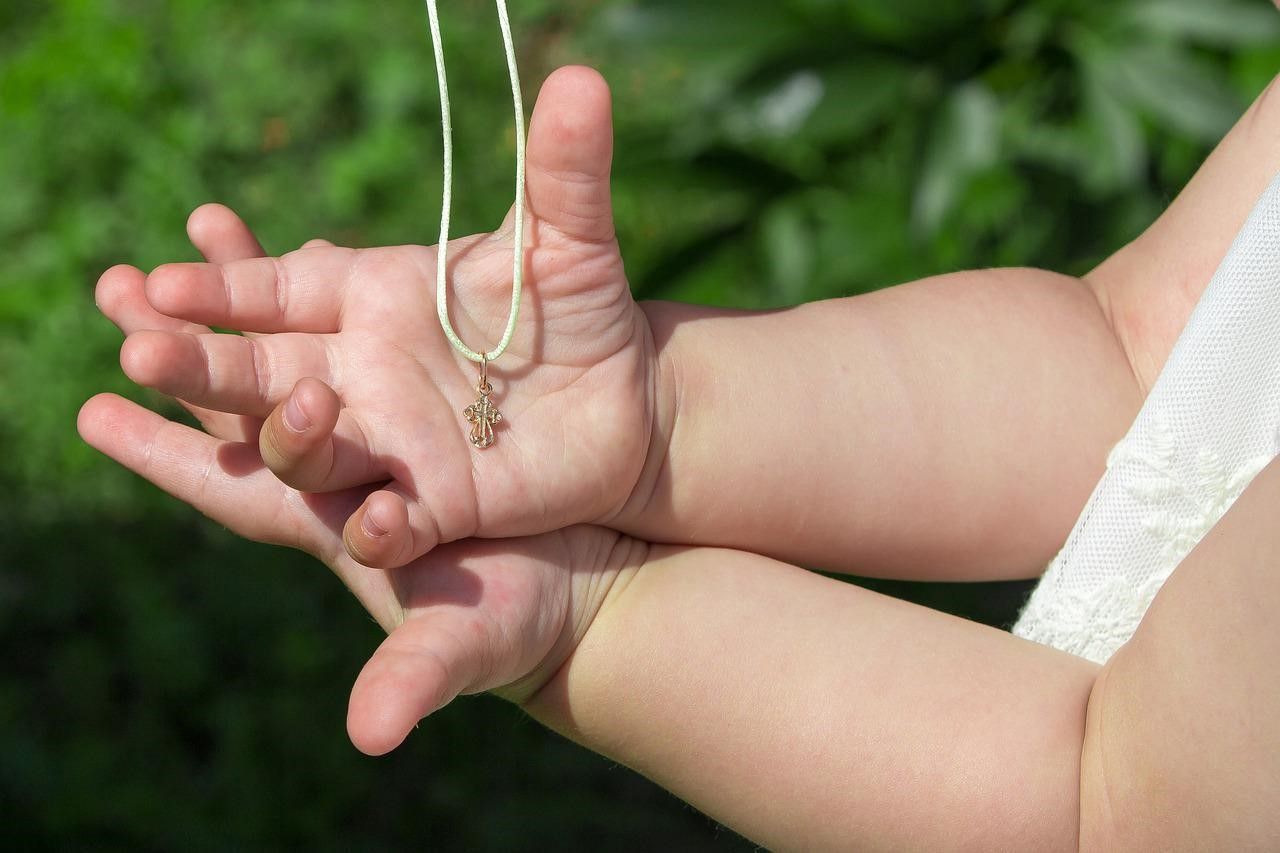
{"x": 593, "y": 591}
{"x": 665, "y": 397}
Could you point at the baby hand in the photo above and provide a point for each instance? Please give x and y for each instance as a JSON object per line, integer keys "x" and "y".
{"x": 358, "y": 384}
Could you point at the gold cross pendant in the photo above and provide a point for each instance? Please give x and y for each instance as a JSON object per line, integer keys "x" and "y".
{"x": 482, "y": 414}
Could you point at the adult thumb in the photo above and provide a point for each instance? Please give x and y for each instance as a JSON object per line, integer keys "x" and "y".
{"x": 569, "y": 153}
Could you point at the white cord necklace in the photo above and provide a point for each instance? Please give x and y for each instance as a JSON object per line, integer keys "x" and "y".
{"x": 482, "y": 414}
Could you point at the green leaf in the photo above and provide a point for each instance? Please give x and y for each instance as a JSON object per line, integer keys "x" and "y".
{"x": 698, "y": 31}
{"x": 791, "y": 119}
{"x": 788, "y": 242}
{"x": 1114, "y": 139}
{"x": 905, "y": 21}
{"x": 966, "y": 140}
{"x": 1216, "y": 22}
{"x": 1173, "y": 88}
{"x": 857, "y": 95}
{"x": 778, "y": 112}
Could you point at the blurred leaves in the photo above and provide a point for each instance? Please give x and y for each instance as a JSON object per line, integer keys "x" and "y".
{"x": 1228, "y": 23}
{"x": 961, "y": 108}
{"x": 1175, "y": 90}
{"x": 965, "y": 142}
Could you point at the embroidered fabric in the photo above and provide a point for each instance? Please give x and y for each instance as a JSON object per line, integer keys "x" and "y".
{"x": 1210, "y": 424}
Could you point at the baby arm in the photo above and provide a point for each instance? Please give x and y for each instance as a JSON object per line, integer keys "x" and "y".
{"x": 811, "y": 714}
{"x": 950, "y": 427}
{"x": 1182, "y": 748}
{"x": 947, "y": 428}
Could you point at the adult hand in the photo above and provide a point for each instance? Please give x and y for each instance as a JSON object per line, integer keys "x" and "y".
{"x": 384, "y": 391}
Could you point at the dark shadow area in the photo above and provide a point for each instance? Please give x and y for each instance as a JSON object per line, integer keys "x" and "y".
{"x": 168, "y": 686}
{"x": 994, "y": 603}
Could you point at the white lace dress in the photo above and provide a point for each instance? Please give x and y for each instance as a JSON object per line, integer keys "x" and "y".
{"x": 1210, "y": 424}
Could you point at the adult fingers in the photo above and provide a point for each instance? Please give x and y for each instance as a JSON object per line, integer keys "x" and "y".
{"x": 311, "y": 444}
{"x": 422, "y": 666}
{"x": 302, "y": 291}
{"x": 570, "y": 151}
{"x": 224, "y": 480}
{"x": 120, "y": 297}
{"x": 230, "y": 373}
{"x": 221, "y": 235}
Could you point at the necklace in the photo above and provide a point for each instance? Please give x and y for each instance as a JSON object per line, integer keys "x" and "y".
{"x": 482, "y": 414}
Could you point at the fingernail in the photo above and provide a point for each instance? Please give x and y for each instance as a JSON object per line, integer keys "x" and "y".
{"x": 294, "y": 418}
{"x": 371, "y": 527}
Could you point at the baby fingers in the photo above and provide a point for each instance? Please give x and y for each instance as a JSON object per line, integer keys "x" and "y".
{"x": 311, "y": 444}
{"x": 120, "y": 296}
{"x": 389, "y": 530}
{"x": 377, "y": 534}
{"x": 229, "y": 373}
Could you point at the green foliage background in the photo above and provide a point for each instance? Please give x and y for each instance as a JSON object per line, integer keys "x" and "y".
{"x": 168, "y": 686}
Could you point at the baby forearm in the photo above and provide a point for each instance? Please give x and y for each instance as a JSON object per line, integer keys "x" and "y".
{"x": 810, "y": 714}
{"x": 949, "y": 428}
{"x": 1182, "y": 749}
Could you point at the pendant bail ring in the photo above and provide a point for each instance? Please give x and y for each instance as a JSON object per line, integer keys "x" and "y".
{"x": 484, "y": 387}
